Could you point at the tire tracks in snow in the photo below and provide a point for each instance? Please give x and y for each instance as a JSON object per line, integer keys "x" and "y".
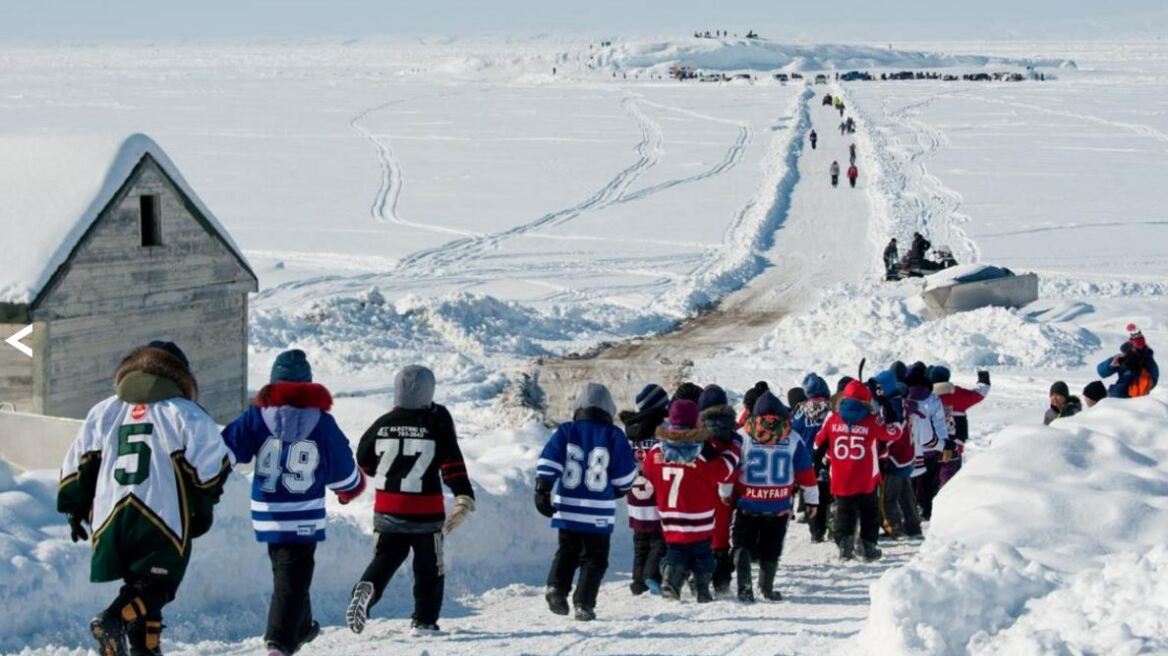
{"x": 730, "y": 159}
{"x": 1138, "y": 129}
{"x": 384, "y": 208}
{"x": 649, "y": 152}
{"x": 919, "y": 200}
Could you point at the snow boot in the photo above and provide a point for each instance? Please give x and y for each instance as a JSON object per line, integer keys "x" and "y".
{"x": 110, "y": 633}
{"x": 847, "y": 547}
{"x": 557, "y": 601}
{"x": 420, "y": 628}
{"x": 276, "y": 650}
{"x": 724, "y": 570}
{"x": 311, "y": 634}
{"x": 674, "y": 578}
{"x": 145, "y": 637}
{"x": 872, "y": 553}
{"x": 702, "y": 588}
{"x": 358, "y": 612}
{"x": 742, "y": 563}
{"x": 654, "y": 586}
{"x": 766, "y": 580}
{"x": 585, "y": 614}
{"x": 638, "y": 588}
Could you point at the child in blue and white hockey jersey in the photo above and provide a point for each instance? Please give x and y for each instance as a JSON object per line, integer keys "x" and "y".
{"x": 584, "y": 468}
{"x": 774, "y": 460}
{"x": 299, "y": 452}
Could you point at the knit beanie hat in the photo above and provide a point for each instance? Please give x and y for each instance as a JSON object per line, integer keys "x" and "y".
{"x": 712, "y": 396}
{"x": 651, "y": 397}
{"x": 683, "y": 414}
{"x": 939, "y": 374}
{"x": 413, "y": 388}
{"x": 1061, "y": 389}
{"x": 291, "y": 367}
{"x": 769, "y": 404}
{"x": 1136, "y": 337}
{"x": 753, "y": 393}
{"x": 1095, "y": 390}
{"x": 796, "y": 395}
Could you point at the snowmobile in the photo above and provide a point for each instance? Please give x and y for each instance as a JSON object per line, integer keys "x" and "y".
{"x": 913, "y": 267}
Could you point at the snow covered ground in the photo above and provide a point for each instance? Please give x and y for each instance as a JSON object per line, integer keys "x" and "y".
{"x": 454, "y": 203}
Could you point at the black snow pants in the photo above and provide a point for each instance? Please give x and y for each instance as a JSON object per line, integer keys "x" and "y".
{"x": 648, "y": 550}
{"x": 835, "y": 180}
{"x": 290, "y": 613}
{"x": 760, "y": 535}
{"x": 818, "y": 523}
{"x": 900, "y": 506}
{"x": 862, "y": 507}
{"x": 587, "y": 552}
{"x": 429, "y": 570}
{"x": 928, "y": 484}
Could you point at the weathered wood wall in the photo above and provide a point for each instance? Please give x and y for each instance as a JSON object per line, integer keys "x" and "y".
{"x": 117, "y": 294}
{"x": 16, "y": 372}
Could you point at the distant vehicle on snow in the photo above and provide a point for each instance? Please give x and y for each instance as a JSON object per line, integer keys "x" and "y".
{"x": 782, "y": 77}
{"x": 821, "y": 79}
{"x": 974, "y": 286}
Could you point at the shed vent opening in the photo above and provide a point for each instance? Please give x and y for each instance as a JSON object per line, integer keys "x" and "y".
{"x": 151, "y": 220}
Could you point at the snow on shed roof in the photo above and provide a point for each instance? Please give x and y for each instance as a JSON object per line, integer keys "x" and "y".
{"x": 52, "y": 189}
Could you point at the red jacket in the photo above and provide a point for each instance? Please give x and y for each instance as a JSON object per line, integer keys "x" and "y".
{"x": 852, "y": 443}
{"x": 688, "y": 495}
{"x": 958, "y": 401}
{"x": 853, "y": 172}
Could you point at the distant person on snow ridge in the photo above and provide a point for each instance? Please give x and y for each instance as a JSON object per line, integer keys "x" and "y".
{"x": 835, "y": 173}
{"x": 891, "y": 259}
{"x": 853, "y": 173}
{"x": 1135, "y": 367}
{"x": 1062, "y": 404}
{"x": 814, "y": 139}
{"x": 852, "y": 152}
{"x": 919, "y": 249}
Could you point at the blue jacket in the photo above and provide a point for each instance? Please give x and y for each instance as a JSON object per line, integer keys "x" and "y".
{"x": 591, "y": 464}
{"x": 299, "y": 452}
{"x": 1127, "y": 375}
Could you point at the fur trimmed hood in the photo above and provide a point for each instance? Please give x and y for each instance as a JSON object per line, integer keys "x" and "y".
{"x": 666, "y": 433}
{"x": 719, "y": 422}
{"x": 137, "y": 377}
{"x": 941, "y": 389}
{"x": 298, "y": 395}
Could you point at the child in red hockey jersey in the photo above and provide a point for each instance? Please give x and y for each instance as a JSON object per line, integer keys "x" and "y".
{"x": 851, "y": 435}
{"x": 690, "y": 478}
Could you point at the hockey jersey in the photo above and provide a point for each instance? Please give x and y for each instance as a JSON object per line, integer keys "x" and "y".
{"x": 957, "y": 402}
{"x": 769, "y": 472}
{"x": 642, "y": 504}
{"x": 688, "y": 493}
{"x": 138, "y": 469}
{"x": 299, "y": 452}
{"x": 410, "y": 453}
{"x": 591, "y": 463}
{"x": 851, "y": 436}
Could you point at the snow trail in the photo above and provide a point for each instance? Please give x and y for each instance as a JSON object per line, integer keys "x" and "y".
{"x": 919, "y": 200}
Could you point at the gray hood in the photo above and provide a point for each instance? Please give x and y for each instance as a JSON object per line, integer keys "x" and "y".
{"x": 595, "y": 395}
{"x": 413, "y": 388}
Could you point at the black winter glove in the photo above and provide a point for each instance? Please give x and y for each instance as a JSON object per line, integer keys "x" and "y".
{"x": 543, "y": 498}
{"x": 983, "y": 377}
{"x": 77, "y": 528}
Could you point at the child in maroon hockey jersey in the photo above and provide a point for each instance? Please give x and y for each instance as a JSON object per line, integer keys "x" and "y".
{"x": 851, "y": 435}
{"x": 690, "y": 478}
{"x": 648, "y": 542}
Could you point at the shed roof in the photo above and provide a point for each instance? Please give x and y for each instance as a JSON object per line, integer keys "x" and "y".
{"x": 52, "y": 190}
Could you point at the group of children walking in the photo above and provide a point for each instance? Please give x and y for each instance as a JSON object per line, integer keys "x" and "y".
{"x": 711, "y": 492}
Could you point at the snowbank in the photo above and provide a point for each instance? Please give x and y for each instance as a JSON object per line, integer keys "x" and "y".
{"x": 885, "y": 323}
{"x": 764, "y": 55}
{"x": 1050, "y": 541}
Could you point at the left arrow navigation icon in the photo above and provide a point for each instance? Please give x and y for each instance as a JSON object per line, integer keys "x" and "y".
{"x": 14, "y": 340}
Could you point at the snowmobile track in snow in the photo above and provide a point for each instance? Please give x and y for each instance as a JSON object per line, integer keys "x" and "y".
{"x": 649, "y": 151}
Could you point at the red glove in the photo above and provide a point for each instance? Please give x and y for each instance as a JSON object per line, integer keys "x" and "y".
{"x": 346, "y": 497}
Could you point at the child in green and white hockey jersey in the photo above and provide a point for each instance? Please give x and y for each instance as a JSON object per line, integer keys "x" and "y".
{"x": 144, "y": 472}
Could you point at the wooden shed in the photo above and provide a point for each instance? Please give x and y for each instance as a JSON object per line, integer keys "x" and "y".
{"x": 103, "y": 247}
